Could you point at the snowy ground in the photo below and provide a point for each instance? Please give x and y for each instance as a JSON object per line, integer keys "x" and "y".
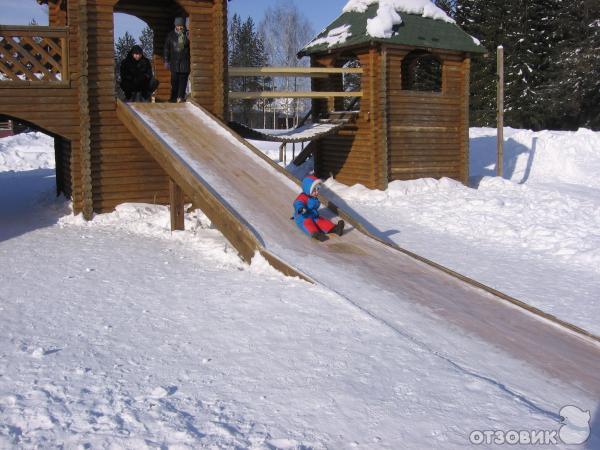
{"x": 119, "y": 334}
{"x": 534, "y": 235}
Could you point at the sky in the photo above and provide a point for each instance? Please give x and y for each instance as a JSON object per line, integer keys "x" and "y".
{"x": 319, "y": 12}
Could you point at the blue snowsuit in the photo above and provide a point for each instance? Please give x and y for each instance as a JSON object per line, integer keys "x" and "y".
{"x": 310, "y": 222}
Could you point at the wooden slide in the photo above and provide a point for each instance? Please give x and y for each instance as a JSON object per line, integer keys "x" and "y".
{"x": 249, "y": 199}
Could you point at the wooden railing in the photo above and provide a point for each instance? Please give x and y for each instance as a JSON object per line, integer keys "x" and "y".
{"x": 312, "y": 72}
{"x": 33, "y": 56}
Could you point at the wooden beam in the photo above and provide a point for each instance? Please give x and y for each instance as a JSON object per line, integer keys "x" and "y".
{"x": 290, "y": 71}
{"x": 12, "y": 30}
{"x": 291, "y": 94}
{"x": 87, "y": 202}
{"x": 177, "y": 207}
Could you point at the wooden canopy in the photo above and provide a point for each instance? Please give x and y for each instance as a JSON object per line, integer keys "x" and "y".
{"x": 403, "y": 130}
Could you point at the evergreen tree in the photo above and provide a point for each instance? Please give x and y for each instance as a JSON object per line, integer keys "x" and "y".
{"x": 246, "y": 49}
{"x": 485, "y": 22}
{"x": 233, "y": 38}
{"x": 574, "y": 86}
{"x": 532, "y": 33}
{"x": 122, "y": 48}
{"x": 551, "y": 58}
{"x": 147, "y": 43}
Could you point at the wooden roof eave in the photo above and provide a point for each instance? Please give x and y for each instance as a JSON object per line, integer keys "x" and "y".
{"x": 331, "y": 51}
{"x": 379, "y": 43}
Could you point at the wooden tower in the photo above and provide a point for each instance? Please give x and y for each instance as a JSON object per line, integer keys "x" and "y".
{"x": 61, "y": 80}
{"x": 413, "y": 117}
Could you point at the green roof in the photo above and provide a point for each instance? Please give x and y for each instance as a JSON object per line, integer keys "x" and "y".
{"x": 414, "y": 31}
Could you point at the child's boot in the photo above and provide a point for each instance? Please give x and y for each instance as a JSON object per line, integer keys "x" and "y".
{"x": 319, "y": 236}
{"x": 338, "y": 228}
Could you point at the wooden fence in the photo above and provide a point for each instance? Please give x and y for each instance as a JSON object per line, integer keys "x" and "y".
{"x": 34, "y": 56}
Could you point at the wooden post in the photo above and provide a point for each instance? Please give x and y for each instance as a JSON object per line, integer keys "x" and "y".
{"x": 282, "y": 151}
{"x": 500, "y": 112}
{"x": 177, "y": 206}
{"x": 65, "y": 75}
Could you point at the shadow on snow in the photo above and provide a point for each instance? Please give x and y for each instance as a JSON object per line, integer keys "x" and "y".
{"x": 28, "y": 202}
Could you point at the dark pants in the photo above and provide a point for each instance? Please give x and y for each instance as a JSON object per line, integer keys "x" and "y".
{"x": 178, "y": 85}
{"x": 139, "y": 92}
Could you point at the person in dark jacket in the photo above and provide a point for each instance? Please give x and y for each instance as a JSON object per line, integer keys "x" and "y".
{"x": 306, "y": 212}
{"x": 137, "y": 80}
{"x": 177, "y": 59}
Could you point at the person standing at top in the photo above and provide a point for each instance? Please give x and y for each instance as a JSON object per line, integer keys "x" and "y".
{"x": 177, "y": 59}
{"x": 137, "y": 81}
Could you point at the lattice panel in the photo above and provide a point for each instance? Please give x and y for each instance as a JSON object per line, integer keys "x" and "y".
{"x": 32, "y": 57}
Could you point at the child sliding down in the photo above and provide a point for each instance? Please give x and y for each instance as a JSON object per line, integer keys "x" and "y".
{"x": 306, "y": 212}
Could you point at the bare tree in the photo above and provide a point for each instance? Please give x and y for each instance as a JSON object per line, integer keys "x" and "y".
{"x": 285, "y": 30}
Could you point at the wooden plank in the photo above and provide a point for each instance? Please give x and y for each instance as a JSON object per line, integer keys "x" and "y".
{"x": 18, "y": 30}
{"x": 176, "y": 199}
{"x": 291, "y": 94}
{"x": 424, "y": 128}
{"x": 224, "y": 219}
{"x": 290, "y": 71}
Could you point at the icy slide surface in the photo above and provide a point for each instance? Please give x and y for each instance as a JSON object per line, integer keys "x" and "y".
{"x": 407, "y": 295}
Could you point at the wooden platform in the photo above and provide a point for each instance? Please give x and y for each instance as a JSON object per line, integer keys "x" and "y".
{"x": 249, "y": 200}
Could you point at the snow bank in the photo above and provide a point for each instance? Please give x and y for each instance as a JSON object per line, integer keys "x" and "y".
{"x": 155, "y": 221}
{"x": 381, "y": 26}
{"x": 27, "y": 151}
{"x": 571, "y": 157}
{"x": 512, "y": 216}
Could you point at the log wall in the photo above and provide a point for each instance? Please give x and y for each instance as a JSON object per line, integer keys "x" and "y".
{"x": 98, "y": 160}
{"x": 122, "y": 170}
{"x": 356, "y": 153}
{"x": 428, "y": 131}
{"x": 62, "y": 156}
{"x": 399, "y": 134}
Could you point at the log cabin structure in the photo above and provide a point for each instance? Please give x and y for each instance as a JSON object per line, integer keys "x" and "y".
{"x": 60, "y": 79}
{"x": 413, "y": 118}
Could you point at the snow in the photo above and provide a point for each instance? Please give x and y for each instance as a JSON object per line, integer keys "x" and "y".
{"x": 305, "y": 133}
{"x": 387, "y": 17}
{"x": 381, "y": 26}
{"x": 117, "y": 333}
{"x": 336, "y": 36}
{"x": 25, "y": 152}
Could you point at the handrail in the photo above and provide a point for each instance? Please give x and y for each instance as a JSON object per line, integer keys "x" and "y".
{"x": 34, "y": 30}
{"x": 312, "y": 72}
{"x": 34, "y": 56}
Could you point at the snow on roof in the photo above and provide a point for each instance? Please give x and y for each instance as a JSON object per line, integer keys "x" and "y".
{"x": 335, "y": 36}
{"x": 381, "y": 26}
{"x": 415, "y": 23}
